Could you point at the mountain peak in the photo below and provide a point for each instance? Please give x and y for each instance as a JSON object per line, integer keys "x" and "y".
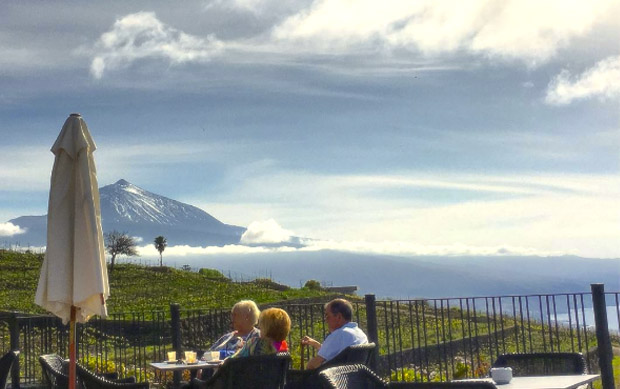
{"x": 127, "y": 207}
{"x": 122, "y": 182}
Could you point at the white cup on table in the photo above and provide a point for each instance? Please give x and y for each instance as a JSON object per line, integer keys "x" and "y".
{"x": 501, "y": 375}
{"x": 211, "y": 355}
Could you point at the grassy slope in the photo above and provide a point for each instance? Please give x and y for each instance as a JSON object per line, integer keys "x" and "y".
{"x": 136, "y": 287}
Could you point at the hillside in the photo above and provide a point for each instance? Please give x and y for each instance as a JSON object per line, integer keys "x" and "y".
{"x": 135, "y": 287}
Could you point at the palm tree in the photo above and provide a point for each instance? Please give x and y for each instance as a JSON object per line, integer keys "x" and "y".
{"x": 160, "y": 244}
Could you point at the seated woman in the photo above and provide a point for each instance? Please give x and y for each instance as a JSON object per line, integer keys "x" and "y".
{"x": 244, "y": 316}
{"x": 274, "y": 325}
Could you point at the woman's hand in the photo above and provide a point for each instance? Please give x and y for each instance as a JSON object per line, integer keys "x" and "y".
{"x": 308, "y": 341}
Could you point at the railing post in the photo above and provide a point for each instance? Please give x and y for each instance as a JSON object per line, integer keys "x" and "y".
{"x": 14, "y": 330}
{"x": 175, "y": 328}
{"x": 371, "y": 326}
{"x": 605, "y": 354}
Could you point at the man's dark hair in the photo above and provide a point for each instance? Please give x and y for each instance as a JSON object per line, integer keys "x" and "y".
{"x": 341, "y": 306}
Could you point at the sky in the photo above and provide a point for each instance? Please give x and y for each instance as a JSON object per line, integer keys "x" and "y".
{"x": 401, "y": 127}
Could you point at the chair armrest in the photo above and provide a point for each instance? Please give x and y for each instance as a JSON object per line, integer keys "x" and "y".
{"x": 110, "y": 376}
{"x": 298, "y": 375}
{"x": 126, "y": 380}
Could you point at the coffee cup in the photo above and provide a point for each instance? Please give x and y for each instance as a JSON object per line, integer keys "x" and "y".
{"x": 501, "y": 375}
{"x": 211, "y": 355}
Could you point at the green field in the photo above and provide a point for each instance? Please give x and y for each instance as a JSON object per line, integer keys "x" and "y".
{"x": 141, "y": 288}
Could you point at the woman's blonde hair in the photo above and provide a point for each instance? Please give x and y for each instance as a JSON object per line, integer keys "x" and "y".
{"x": 248, "y": 308}
{"x": 274, "y": 324}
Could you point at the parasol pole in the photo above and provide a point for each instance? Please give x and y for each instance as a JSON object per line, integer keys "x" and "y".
{"x": 72, "y": 356}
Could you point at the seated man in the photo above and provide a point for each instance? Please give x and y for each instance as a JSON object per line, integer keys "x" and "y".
{"x": 342, "y": 333}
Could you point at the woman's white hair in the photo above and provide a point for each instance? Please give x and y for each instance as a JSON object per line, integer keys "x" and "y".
{"x": 247, "y": 308}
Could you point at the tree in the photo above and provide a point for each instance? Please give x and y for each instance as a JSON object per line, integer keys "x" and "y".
{"x": 119, "y": 243}
{"x": 160, "y": 245}
{"x": 313, "y": 285}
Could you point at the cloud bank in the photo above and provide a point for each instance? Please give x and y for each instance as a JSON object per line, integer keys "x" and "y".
{"x": 602, "y": 81}
{"x": 571, "y": 214}
{"x": 526, "y": 30}
{"x": 391, "y": 248}
{"x": 10, "y": 229}
{"x": 141, "y": 35}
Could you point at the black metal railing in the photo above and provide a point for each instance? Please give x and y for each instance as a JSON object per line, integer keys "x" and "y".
{"x": 461, "y": 337}
{"x": 124, "y": 343}
{"x": 418, "y": 339}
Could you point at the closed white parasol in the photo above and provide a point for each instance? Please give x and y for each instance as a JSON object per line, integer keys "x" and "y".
{"x": 73, "y": 283}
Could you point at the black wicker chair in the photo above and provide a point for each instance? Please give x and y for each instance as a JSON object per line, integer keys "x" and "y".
{"x": 442, "y": 385}
{"x": 5, "y": 366}
{"x": 54, "y": 371}
{"x": 253, "y": 372}
{"x": 350, "y": 376}
{"x": 56, "y": 375}
{"x": 90, "y": 380}
{"x": 359, "y": 376}
{"x": 536, "y": 364}
{"x": 356, "y": 354}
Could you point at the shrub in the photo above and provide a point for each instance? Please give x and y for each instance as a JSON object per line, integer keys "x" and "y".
{"x": 312, "y": 285}
{"x": 211, "y": 273}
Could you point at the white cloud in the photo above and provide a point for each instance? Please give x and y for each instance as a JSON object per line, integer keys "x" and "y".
{"x": 254, "y": 6}
{"x": 10, "y": 229}
{"x": 265, "y": 232}
{"x": 142, "y": 35}
{"x": 602, "y": 80}
{"x": 401, "y": 248}
{"x": 529, "y": 30}
{"x": 395, "y": 248}
{"x": 180, "y": 251}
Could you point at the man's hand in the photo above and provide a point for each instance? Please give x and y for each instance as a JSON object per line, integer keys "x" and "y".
{"x": 308, "y": 341}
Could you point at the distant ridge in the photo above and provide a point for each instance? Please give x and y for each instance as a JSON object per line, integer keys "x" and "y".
{"x": 129, "y": 208}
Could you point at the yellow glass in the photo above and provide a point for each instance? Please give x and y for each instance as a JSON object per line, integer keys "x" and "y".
{"x": 190, "y": 356}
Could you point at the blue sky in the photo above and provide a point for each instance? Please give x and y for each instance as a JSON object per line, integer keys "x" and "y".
{"x": 409, "y": 127}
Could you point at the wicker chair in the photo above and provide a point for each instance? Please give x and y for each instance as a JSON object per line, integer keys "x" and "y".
{"x": 359, "y": 376}
{"x": 253, "y": 372}
{"x": 356, "y": 354}
{"x": 56, "y": 375}
{"x": 5, "y": 366}
{"x": 442, "y": 385}
{"x": 90, "y": 380}
{"x": 536, "y": 364}
{"x": 350, "y": 376}
{"x": 54, "y": 371}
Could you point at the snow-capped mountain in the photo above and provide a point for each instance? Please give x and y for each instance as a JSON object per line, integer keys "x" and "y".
{"x": 128, "y": 208}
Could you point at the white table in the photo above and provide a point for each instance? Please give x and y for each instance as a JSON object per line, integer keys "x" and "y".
{"x": 178, "y": 367}
{"x": 544, "y": 382}
{"x": 164, "y": 366}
